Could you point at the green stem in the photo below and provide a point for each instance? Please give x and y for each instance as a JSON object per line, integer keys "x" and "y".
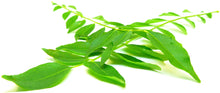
{"x": 169, "y": 21}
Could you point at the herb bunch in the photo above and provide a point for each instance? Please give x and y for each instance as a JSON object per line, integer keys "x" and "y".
{"x": 99, "y": 49}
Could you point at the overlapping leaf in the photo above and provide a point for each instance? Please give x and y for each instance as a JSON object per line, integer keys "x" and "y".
{"x": 126, "y": 60}
{"x": 66, "y": 58}
{"x": 105, "y": 73}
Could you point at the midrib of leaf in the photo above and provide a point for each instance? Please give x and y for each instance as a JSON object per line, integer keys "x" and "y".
{"x": 53, "y": 74}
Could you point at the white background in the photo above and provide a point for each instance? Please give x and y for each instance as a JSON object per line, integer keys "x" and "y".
{"x": 26, "y": 26}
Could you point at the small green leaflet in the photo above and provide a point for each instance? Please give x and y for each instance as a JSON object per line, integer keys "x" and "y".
{"x": 155, "y": 20}
{"x": 73, "y": 7}
{"x": 143, "y": 51}
{"x": 71, "y": 21}
{"x": 209, "y": 15}
{"x": 174, "y": 51}
{"x": 84, "y": 31}
{"x": 105, "y": 73}
{"x": 66, "y": 14}
{"x": 186, "y": 11}
{"x": 165, "y": 32}
{"x": 76, "y": 25}
{"x": 66, "y": 58}
{"x": 202, "y": 19}
{"x": 122, "y": 37}
{"x": 43, "y": 76}
{"x": 102, "y": 40}
{"x": 169, "y": 14}
{"x": 57, "y": 8}
{"x": 96, "y": 34}
{"x": 117, "y": 24}
{"x": 101, "y": 18}
{"x": 190, "y": 22}
{"x": 79, "y": 48}
{"x": 181, "y": 27}
{"x": 106, "y": 54}
{"x": 139, "y": 24}
{"x": 126, "y": 60}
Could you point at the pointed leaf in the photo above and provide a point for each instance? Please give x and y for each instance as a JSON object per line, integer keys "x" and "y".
{"x": 181, "y": 27}
{"x": 79, "y": 13}
{"x": 186, "y": 11}
{"x": 202, "y": 19}
{"x": 71, "y": 21}
{"x": 101, "y": 18}
{"x": 53, "y": 3}
{"x": 190, "y": 22}
{"x": 43, "y": 76}
{"x": 66, "y": 14}
{"x": 97, "y": 52}
{"x": 209, "y": 15}
{"x": 155, "y": 20}
{"x": 122, "y": 37}
{"x": 57, "y": 8}
{"x": 169, "y": 14}
{"x": 84, "y": 31}
{"x": 96, "y": 34}
{"x": 165, "y": 32}
{"x": 139, "y": 24}
{"x": 143, "y": 51}
{"x": 76, "y": 25}
{"x": 65, "y": 57}
{"x": 126, "y": 60}
{"x": 73, "y": 7}
{"x": 106, "y": 54}
{"x": 105, "y": 73}
{"x": 79, "y": 48}
{"x": 102, "y": 40}
{"x": 174, "y": 51}
{"x": 117, "y": 24}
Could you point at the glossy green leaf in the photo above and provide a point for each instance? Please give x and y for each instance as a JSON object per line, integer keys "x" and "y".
{"x": 66, "y": 58}
{"x": 190, "y": 22}
{"x": 169, "y": 14}
{"x": 97, "y": 52}
{"x": 66, "y": 14}
{"x": 73, "y": 7}
{"x": 71, "y": 21}
{"x": 102, "y": 40}
{"x": 155, "y": 20}
{"x": 209, "y": 15}
{"x": 186, "y": 11}
{"x": 96, "y": 34}
{"x": 166, "y": 32}
{"x": 143, "y": 51}
{"x": 79, "y": 48}
{"x": 43, "y": 76}
{"x": 76, "y": 25}
{"x": 139, "y": 24}
{"x": 122, "y": 37}
{"x": 105, "y": 73}
{"x": 84, "y": 31}
{"x": 181, "y": 27}
{"x": 106, "y": 54}
{"x": 202, "y": 19}
{"x": 57, "y": 8}
{"x": 101, "y": 18}
{"x": 174, "y": 51}
{"x": 79, "y": 13}
{"x": 126, "y": 60}
{"x": 117, "y": 24}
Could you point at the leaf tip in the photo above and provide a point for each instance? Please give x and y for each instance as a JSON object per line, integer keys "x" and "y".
{"x": 7, "y": 77}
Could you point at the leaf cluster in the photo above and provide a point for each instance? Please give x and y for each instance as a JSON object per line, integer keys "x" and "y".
{"x": 99, "y": 50}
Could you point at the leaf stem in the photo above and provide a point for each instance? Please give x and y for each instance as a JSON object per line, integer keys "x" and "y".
{"x": 169, "y": 21}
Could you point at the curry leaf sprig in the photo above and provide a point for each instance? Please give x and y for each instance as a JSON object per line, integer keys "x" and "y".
{"x": 99, "y": 49}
